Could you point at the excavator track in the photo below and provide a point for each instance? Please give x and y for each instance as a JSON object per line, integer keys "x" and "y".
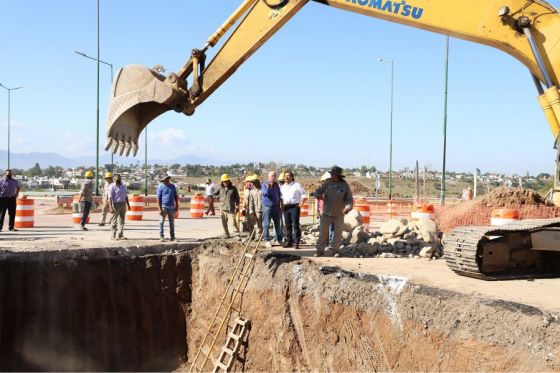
{"x": 463, "y": 252}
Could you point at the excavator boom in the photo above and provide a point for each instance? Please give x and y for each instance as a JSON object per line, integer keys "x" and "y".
{"x": 529, "y": 30}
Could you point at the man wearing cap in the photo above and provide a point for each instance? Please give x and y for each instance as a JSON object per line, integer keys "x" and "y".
{"x": 324, "y": 178}
{"x": 86, "y": 197}
{"x": 228, "y": 196}
{"x": 9, "y": 190}
{"x": 337, "y": 198}
{"x": 272, "y": 205}
{"x": 293, "y": 198}
{"x": 168, "y": 203}
{"x": 209, "y": 194}
{"x": 118, "y": 202}
{"x": 105, "y": 198}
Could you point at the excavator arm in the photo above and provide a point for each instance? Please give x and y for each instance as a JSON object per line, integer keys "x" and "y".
{"x": 528, "y": 30}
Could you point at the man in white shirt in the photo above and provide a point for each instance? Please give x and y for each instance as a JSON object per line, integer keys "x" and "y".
{"x": 293, "y": 197}
{"x": 210, "y": 189}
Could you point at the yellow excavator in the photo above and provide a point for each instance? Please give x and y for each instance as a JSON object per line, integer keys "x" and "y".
{"x": 528, "y": 30}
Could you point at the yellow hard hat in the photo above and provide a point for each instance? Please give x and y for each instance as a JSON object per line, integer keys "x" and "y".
{"x": 108, "y": 175}
{"x": 225, "y": 177}
{"x": 282, "y": 176}
{"x": 89, "y": 174}
{"x": 254, "y": 177}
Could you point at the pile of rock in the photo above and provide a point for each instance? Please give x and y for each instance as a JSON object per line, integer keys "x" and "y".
{"x": 399, "y": 238}
{"x": 395, "y": 239}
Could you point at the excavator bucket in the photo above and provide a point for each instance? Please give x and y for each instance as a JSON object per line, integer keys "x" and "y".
{"x": 137, "y": 97}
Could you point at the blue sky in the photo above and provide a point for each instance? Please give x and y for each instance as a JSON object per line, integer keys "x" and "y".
{"x": 313, "y": 94}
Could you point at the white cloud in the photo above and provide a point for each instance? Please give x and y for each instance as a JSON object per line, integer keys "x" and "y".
{"x": 74, "y": 144}
{"x": 14, "y": 125}
{"x": 173, "y": 142}
{"x": 168, "y": 137}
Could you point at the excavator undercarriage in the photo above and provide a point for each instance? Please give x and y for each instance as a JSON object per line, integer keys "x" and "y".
{"x": 525, "y": 249}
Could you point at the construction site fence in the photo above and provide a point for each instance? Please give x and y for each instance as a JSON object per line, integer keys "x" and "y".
{"x": 380, "y": 210}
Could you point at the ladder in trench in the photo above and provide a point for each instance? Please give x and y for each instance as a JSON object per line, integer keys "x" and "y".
{"x": 235, "y": 286}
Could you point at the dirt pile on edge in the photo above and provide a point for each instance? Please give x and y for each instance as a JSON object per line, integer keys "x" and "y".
{"x": 478, "y": 212}
{"x": 503, "y": 197}
{"x": 358, "y": 189}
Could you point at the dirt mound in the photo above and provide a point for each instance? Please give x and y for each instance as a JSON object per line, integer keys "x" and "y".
{"x": 503, "y": 196}
{"x": 358, "y": 189}
{"x": 478, "y": 212}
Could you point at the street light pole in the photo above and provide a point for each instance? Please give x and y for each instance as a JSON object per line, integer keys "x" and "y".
{"x": 442, "y": 195}
{"x": 146, "y": 162}
{"x": 391, "y": 131}
{"x": 111, "y": 67}
{"x": 97, "y": 128}
{"x": 9, "y": 105}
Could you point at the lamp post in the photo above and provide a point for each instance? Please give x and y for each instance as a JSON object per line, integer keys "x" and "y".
{"x": 442, "y": 195}
{"x": 97, "y": 120}
{"x": 9, "y": 94}
{"x": 391, "y": 131}
{"x": 146, "y": 162}
{"x": 111, "y": 67}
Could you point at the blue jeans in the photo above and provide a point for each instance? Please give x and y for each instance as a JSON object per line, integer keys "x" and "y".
{"x": 170, "y": 213}
{"x": 271, "y": 213}
{"x": 87, "y": 208}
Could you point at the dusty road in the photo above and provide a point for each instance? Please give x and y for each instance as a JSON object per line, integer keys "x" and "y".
{"x": 57, "y": 232}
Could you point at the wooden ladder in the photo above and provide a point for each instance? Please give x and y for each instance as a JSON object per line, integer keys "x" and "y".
{"x": 231, "y": 347}
{"x": 240, "y": 276}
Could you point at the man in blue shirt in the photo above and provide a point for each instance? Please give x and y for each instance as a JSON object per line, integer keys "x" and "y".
{"x": 168, "y": 203}
{"x": 271, "y": 201}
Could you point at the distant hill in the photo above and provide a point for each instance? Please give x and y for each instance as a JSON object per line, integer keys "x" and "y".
{"x": 28, "y": 160}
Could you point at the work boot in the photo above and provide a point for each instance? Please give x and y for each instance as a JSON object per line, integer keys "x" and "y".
{"x": 268, "y": 245}
{"x": 102, "y": 224}
{"x": 84, "y": 228}
{"x": 162, "y": 239}
{"x": 287, "y": 245}
{"x": 296, "y": 246}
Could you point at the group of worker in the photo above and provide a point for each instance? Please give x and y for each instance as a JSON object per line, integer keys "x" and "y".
{"x": 278, "y": 203}
{"x": 115, "y": 200}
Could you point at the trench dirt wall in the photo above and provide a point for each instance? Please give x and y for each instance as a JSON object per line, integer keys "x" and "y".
{"x": 95, "y": 310}
{"x": 149, "y": 308}
{"x": 305, "y": 319}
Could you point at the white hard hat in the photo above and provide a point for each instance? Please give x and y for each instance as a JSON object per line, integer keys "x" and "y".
{"x": 326, "y": 176}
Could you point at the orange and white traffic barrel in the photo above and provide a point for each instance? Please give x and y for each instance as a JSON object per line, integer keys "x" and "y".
{"x": 136, "y": 211}
{"x": 422, "y": 211}
{"x": 76, "y": 213}
{"x": 304, "y": 209}
{"x": 197, "y": 206}
{"x": 25, "y": 213}
{"x": 504, "y": 216}
{"x": 363, "y": 208}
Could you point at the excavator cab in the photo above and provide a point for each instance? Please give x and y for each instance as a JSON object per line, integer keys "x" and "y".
{"x": 138, "y": 96}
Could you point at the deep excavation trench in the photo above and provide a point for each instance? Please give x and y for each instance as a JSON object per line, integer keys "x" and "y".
{"x": 148, "y": 309}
